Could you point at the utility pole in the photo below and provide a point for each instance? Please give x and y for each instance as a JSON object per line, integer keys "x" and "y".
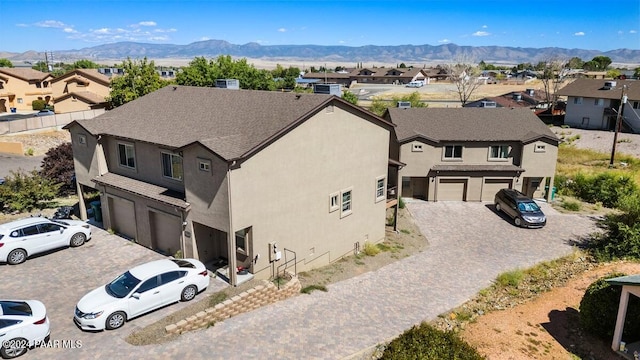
{"x": 623, "y": 100}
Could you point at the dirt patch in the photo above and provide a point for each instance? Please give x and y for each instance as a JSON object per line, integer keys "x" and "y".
{"x": 545, "y": 327}
{"x": 38, "y": 143}
{"x": 599, "y": 140}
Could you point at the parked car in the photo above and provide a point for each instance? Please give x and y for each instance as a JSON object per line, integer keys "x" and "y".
{"x": 23, "y": 325}
{"x": 415, "y": 84}
{"x": 140, "y": 290}
{"x": 22, "y": 238}
{"x": 522, "y": 209}
{"x": 45, "y": 112}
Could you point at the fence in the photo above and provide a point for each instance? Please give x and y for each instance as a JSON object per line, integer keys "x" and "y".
{"x": 46, "y": 122}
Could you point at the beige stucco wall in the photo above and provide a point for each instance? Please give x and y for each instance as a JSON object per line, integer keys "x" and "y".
{"x": 283, "y": 191}
{"x": 540, "y": 164}
{"x": 70, "y": 105}
{"x": 89, "y": 158}
{"x": 24, "y": 92}
{"x": 62, "y": 87}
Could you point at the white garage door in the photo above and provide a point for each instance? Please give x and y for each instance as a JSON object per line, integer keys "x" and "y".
{"x": 123, "y": 216}
{"x": 492, "y": 186}
{"x": 452, "y": 190}
{"x": 165, "y": 232}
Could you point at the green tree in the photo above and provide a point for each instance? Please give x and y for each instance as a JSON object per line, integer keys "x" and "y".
{"x": 636, "y": 72}
{"x": 140, "y": 78}
{"x": 5, "y": 63}
{"x": 613, "y": 73}
{"x": 57, "y": 166}
{"x": 379, "y": 105}
{"x": 201, "y": 72}
{"x": 350, "y": 97}
{"x": 602, "y": 62}
{"x": 575, "y": 63}
{"x": 24, "y": 191}
{"x": 40, "y": 66}
{"x": 85, "y": 64}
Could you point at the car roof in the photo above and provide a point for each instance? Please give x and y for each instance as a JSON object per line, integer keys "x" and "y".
{"x": 23, "y": 222}
{"x": 517, "y": 195}
{"x": 149, "y": 269}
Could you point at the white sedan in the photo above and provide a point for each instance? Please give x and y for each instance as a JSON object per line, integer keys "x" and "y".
{"x": 22, "y": 238}
{"x": 140, "y": 290}
{"x": 23, "y": 325}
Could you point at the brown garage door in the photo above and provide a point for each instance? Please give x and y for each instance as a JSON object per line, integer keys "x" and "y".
{"x": 123, "y": 216}
{"x": 452, "y": 190}
{"x": 165, "y": 232}
{"x": 492, "y": 186}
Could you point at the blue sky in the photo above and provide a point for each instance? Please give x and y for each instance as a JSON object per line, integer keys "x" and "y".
{"x": 73, "y": 24}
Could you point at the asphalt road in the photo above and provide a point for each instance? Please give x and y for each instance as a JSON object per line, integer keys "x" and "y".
{"x": 10, "y": 162}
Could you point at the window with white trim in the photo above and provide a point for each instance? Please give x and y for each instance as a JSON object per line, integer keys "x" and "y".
{"x": 127, "y": 155}
{"x": 598, "y": 102}
{"x": 82, "y": 139}
{"x": 452, "y": 152}
{"x": 346, "y": 207}
{"x": 334, "y": 203}
{"x": 204, "y": 165}
{"x": 380, "y": 182}
{"x": 540, "y": 148}
{"x": 577, "y": 100}
{"x": 172, "y": 165}
{"x": 498, "y": 152}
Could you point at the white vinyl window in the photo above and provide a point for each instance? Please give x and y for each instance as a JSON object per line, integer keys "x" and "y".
{"x": 498, "y": 152}
{"x": 452, "y": 152}
{"x": 598, "y": 102}
{"x": 334, "y": 203}
{"x": 540, "y": 148}
{"x": 204, "y": 165}
{"x": 346, "y": 207}
{"x": 127, "y": 155}
{"x": 577, "y": 100}
{"x": 172, "y": 166}
{"x": 380, "y": 182}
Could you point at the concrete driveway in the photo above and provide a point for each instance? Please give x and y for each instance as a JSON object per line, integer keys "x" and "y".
{"x": 469, "y": 245}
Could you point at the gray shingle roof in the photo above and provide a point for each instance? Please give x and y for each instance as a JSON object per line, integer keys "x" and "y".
{"x": 143, "y": 189}
{"x": 471, "y": 167}
{"x": 468, "y": 124}
{"x": 229, "y": 122}
{"x": 594, "y": 88}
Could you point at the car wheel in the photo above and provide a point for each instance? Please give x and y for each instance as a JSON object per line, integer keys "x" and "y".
{"x": 188, "y": 293}
{"x": 517, "y": 221}
{"x": 498, "y": 207}
{"x": 78, "y": 239}
{"x": 17, "y": 256}
{"x": 116, "y": 320}
{"x": 13, "y": 348}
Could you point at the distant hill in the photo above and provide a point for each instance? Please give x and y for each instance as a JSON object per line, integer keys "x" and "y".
{"x": 368, "y": 53}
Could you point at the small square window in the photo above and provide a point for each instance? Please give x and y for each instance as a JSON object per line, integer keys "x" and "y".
{"x": 416, "y": 147}
{"x": 346, "y": 207}
{"x": 20, "y": 100}
{"x": 333, "y": 202}
{"x": 82, "y": 139}
{"x": 204, "y": 165}
{"x": 540, "y": 148}
{"x": 577, "y": 100}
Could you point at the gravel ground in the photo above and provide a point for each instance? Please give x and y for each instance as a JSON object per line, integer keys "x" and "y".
{"x": 40, "y": 141}
{"x": 600, "y": 140}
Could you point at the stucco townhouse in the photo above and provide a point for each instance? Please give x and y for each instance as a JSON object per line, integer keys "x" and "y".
{"x": 266, "y": 181}
{"x": 20, "y": 86}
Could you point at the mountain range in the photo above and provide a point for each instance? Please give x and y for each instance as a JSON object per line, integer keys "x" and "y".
{"x": 346, "y": 54}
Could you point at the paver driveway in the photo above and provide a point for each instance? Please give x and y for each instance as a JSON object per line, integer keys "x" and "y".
{"x": 469, "y": 245}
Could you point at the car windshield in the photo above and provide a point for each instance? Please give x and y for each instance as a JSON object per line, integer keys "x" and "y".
{"x": 122, "y": 285}
{"x": 528, "y": 206}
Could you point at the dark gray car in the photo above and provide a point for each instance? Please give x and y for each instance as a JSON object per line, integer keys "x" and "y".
{"x": 522, "y": 209}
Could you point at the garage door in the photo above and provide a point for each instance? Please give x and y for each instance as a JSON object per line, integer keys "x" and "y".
{"x": 452, "y": 190}
{"x": 492, "y": 186}
{"x": 165, "y": 232}
{"x": 123, "y": 216}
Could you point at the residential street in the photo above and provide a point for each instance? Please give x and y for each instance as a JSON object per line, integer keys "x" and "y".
{"x": 470, "y": 245}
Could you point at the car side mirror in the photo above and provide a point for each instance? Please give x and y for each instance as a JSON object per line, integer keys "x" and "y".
{"x": 136, "y": 295}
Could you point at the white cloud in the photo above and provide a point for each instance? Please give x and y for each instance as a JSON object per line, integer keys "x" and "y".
{"x": 341, "y": 42}
{"x": 579, "y": 33}
{"x": 69, "y": 30}
{"x": 480, "y": 33}
{"x": 165, "y": 30}
{"x": 147, "y": 23}
{"x": 282, "y": 30}
{"x": 51, "y": 24}
{"x": 22, "y": 25}
{"x": 484, "y": 26}
{"x": 205, "y": 38}
{"x": 444, "y": 41}
{"x": 633, "y": 32}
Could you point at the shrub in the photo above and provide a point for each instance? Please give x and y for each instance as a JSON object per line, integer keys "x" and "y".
{"x": 38, "y": 104}
{"x": 563, "y": 184}
{"x": 599, "y": 310}
{"x": 571, "y": 205}
{"x": 309, "y": 289}
{"x": 27, "y": 191}
{"x": 621, "y": 238}
{"x": 371, "y": 249}
{"x": 57, "y": 166}
{"x": 606, "y": 187}
{"x": 510, "y": 278}
{"x": 426, "y": 342}
{"x": 400, "y": 203}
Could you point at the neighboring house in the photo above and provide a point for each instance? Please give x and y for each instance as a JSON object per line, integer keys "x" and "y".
{"x": 109, "y": 72}
{"x": 397, "y": 76}
{"x": 594, "y": 104}
{"x": 20, "y": 86}
{"x": 240, "y": 175}
{"x": 468, "y": 154}
{"x": 530, "y": 99}
{"x": 80, "y": 89}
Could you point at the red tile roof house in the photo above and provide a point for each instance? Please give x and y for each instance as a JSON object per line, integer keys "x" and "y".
{"x": 266, "y": 181}
{"x": 594, "y": 104}
{"x": 468, "y": 154}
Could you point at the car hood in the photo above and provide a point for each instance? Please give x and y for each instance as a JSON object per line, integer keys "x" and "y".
{"x": 533, "y": 214}
{"x": 95, "y": 301}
